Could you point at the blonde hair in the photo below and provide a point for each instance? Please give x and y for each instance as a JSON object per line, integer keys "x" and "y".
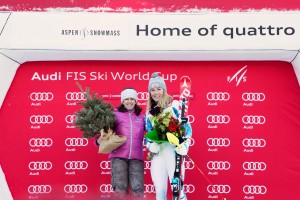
{"x": 163, "y": 103}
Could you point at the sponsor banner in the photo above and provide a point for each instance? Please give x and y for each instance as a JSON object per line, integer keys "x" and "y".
{"x": 244, "y": 117}
{"x": 137, "y": 31}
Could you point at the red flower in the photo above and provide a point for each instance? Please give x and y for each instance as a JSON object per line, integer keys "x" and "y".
{"x": 172, "y": 126}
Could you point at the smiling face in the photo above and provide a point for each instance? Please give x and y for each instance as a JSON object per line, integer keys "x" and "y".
{"x": 129, "y": 103}
{"x": 156, "y": 93}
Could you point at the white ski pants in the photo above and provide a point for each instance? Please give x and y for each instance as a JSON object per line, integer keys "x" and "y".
{"x": 162, "y": 167}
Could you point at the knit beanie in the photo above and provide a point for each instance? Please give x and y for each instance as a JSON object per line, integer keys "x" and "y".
{"x": 128, "y": 93}
{"x": 156, "y": 81}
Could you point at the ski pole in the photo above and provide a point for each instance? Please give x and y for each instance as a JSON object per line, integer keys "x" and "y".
{"x": 175, "y": 141}
{"x": 207, "y": 179}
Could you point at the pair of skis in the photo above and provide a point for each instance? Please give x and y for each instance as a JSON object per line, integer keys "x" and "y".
{"x": 185, "y": 90}
{"x": 177, "y": 180}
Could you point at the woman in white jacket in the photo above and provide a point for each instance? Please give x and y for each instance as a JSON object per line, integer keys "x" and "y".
{"x": 163, "y": 159}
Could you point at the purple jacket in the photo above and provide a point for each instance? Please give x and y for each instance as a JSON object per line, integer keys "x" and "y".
{"x": 132, "y": 126}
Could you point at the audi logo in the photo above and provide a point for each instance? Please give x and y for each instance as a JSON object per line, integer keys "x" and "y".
{"x": 220, "y": 189}
{"x": 218, "y": 142}
{"x": 253, "y": 119}
{"x": 43, "y": 165}
{"x": 106, "y": 188}
{"x": 142, "y": 96}
{"x": 218, "y": 96}
{"x": 256, "y": 166}
{"x": 218, "y": 165}
{"x": 254, "y": 142}
{"x": 39, "y": 189}
{"x": 75, "y": 188}
{"x": 188, "y": 164}
{"x": 191, "y": 118}
{"x": 147, "y": 164}
{"x": 41, "y": 119}
{"x": 254, "y": 189}
{"x": 70, "y": 119}
{"x": 218, "y": 119}
{"x": 75, "y": 96}
{"x": 71, "y": 165}
{"x": 192, "y": 141}
{"x": 149, "y": 188}
{"x": 41, "y": 96}
{"x": 40, "y": 142}
{"x": 76, "y": 142}
{"x": 252, "y": 96}
{"x": 188, "y": 188}
{"x": 105, "y": 165}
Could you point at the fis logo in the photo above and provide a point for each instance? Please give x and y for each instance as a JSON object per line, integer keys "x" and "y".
{"x": 239, "y": 76}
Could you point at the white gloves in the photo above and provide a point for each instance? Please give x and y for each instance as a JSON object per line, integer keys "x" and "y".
{"x": 182, "y": 149}
{"x": 153, "y": 147}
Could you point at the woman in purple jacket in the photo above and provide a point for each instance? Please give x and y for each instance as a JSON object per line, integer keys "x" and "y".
{"x": 127, "y": 161}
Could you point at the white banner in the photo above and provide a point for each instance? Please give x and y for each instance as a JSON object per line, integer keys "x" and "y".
{"x": 112, "y": 31}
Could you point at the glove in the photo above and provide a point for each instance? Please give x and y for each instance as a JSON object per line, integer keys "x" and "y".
{"x": 153, "y": 147}
{"x": 182, "y": 149}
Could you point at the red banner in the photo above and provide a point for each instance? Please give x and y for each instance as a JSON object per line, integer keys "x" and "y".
{"x": 145, "y": 5}
{"x": 244, "y": 115}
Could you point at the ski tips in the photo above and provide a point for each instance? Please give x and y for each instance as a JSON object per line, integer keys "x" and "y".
{"x": 224, "y": 199}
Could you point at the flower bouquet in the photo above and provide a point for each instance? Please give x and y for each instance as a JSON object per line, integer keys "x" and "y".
{"x": 164, "y": 123}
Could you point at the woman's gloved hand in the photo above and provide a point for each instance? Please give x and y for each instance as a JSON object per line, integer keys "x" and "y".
{"x": 182, "y": 149}
{"x": 153, "y": 147}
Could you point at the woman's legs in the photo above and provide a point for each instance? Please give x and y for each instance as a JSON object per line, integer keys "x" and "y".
{"x": 119, "y": 177}
{"x": 136, "y": 178}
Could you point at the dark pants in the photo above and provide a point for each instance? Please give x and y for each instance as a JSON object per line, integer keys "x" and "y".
{"x": 125, "y": 174}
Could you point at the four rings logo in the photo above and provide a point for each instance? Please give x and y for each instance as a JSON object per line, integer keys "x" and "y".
{"x": 71, "y": 165}
{"x": 39, "y": 189}
{"x": 218, "y": 119}
{"x": 191, "y": 118}
{"x": 41, "y": 119}
{"x": 219, "y": 189}
{"x": 253, "y": 119}
{"x": 71, "y": 142}
{"x": 252, "y": 96}
{"x": 105, "y": 165}
{"x": 218, "y": 165}
{"x": 40, "y": 142}
{"x": 75, "y": 188}
{"x": 188, "y": 188}
{"x": 147, "y": 164}
{"x": 70, "y": 119}
{"x": 149, "y": 188}
{"x": 254, "y": 142}
{"x": 106, "y": 188}
{"x": 188, "y": 164}
{"x": 142, "y": 96}
{"x": 218, "y": 142}
{"x": 192, "y": 141}
{"x": 43, "y": 165}
{"x": 75, "y": 96}
{"x": 218, "y": 96}
{"x": 254, "y": 189}
{"x": 257, "y": 166}
{"x": 41, "y": 96}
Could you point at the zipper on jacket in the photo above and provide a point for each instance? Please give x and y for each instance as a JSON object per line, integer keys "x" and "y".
{"x": 130, "y": 149}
